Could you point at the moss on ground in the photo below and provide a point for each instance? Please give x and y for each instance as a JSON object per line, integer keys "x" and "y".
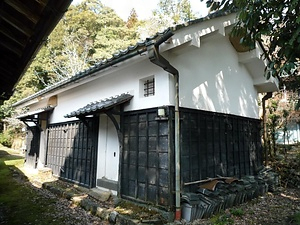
{"x": 295, "y": 219}
{"x": 21, "y": 203}
{"x": 138, "y": 212}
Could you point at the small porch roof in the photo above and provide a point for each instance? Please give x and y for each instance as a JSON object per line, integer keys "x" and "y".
{"x": 35, "y": 112}
{"x": 100, "y": 106}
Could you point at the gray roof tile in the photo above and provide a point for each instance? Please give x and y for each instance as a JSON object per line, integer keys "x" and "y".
{"x": 100, "y": 106}
{"x": 35, "y": 112}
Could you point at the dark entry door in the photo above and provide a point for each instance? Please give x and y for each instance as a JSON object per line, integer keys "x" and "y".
{"x": 32, "y": 147}
{"x": 72, "y": 151}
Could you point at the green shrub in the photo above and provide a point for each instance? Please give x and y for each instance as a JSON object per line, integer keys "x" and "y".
{"x": 6, "y": 139}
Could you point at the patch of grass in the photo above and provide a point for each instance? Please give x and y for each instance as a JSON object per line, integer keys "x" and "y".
{"x": 222, "y": 219}
{"x": 237, "y": 212}
{"x": 20, "y": 203}
{"x": 295, "y": 219}
{"x": 136, "y": 211}
{"x": 251, "y": 212}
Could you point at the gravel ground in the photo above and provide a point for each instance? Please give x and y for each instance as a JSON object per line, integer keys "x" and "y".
{"x": 64, "y": 209}
{"x": 271, "y": 209}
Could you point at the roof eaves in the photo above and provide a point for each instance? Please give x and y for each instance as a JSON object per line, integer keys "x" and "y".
{"x": 101, "y": 105}
{"x": 38, "y": 111}
{"x": 120, "y": 56}
{"x": 55, "y": 9}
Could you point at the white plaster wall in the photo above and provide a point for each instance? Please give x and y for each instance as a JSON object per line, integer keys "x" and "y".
{"x": 212, "y": 79}
{"x": 42, "y": 153}
{"x": 108, "y": 150}
{"x": 126, "y": 79}
{"x": 42, "y": 103}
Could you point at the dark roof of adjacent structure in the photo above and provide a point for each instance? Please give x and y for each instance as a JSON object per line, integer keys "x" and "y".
{"x": 35, "y": 112}
{"x": 24, "y": 27}
{"x": 100, "y": 106}
{"x": 122, "y": 55}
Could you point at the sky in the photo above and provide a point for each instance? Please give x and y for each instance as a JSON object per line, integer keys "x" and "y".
{"x": 144, "y": 8}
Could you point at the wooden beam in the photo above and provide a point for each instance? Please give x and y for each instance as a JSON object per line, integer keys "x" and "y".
{"x": 7, "y": 91}
{"x": 5, "y": 73}
{"x": 11, "y": 80}
{"x": 83, "y": 119}
{"x": 43, "y": 3}
{"x": 12, "y": 36}
{"x": 9, "y": 59}
{"x": 22, "y": 8}
{"x": 16, "y": 23}
{"x": 11, "y": 47}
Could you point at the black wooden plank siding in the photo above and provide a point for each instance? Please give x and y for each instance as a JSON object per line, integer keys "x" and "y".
{"x": 211, "y": 144}
{"x": 72, "y": 151}
{"x": 215, "y": 144}
{"x": 145, "y": 158}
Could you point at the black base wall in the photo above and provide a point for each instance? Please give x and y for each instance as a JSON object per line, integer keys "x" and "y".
{"x": 72, "y": 151}
{"x": 215, "y": 144}
{"x": 145, "y": 158}
{"x": 211, "y": 144}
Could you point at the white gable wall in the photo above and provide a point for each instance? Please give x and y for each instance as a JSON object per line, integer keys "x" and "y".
{"x": 212, "y": 79}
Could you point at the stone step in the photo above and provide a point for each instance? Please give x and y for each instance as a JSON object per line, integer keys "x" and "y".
{"x": 45, "y": 173}
{"x": 99, "y": 194}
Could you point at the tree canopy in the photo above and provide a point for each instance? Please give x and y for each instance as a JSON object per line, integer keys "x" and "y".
{"x": 88, "y": 32}
{"x": 178, "y": 11}
{"x": 168, "y": 13}
{"x": 274, "y": 23}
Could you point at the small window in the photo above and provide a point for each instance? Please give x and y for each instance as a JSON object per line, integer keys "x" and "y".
{"x": 149, "y": 87}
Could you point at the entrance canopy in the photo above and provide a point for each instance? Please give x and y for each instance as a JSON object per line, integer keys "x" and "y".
{"x": 36, "y": 116}
{"x": 100, "y": 106}
{"x": 32, "y": 114}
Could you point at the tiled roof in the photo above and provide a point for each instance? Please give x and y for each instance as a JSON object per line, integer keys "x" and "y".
{"x": 120, "y": 56}
{"x": 100, "y": 106}
{"x": 35, "y": 112}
